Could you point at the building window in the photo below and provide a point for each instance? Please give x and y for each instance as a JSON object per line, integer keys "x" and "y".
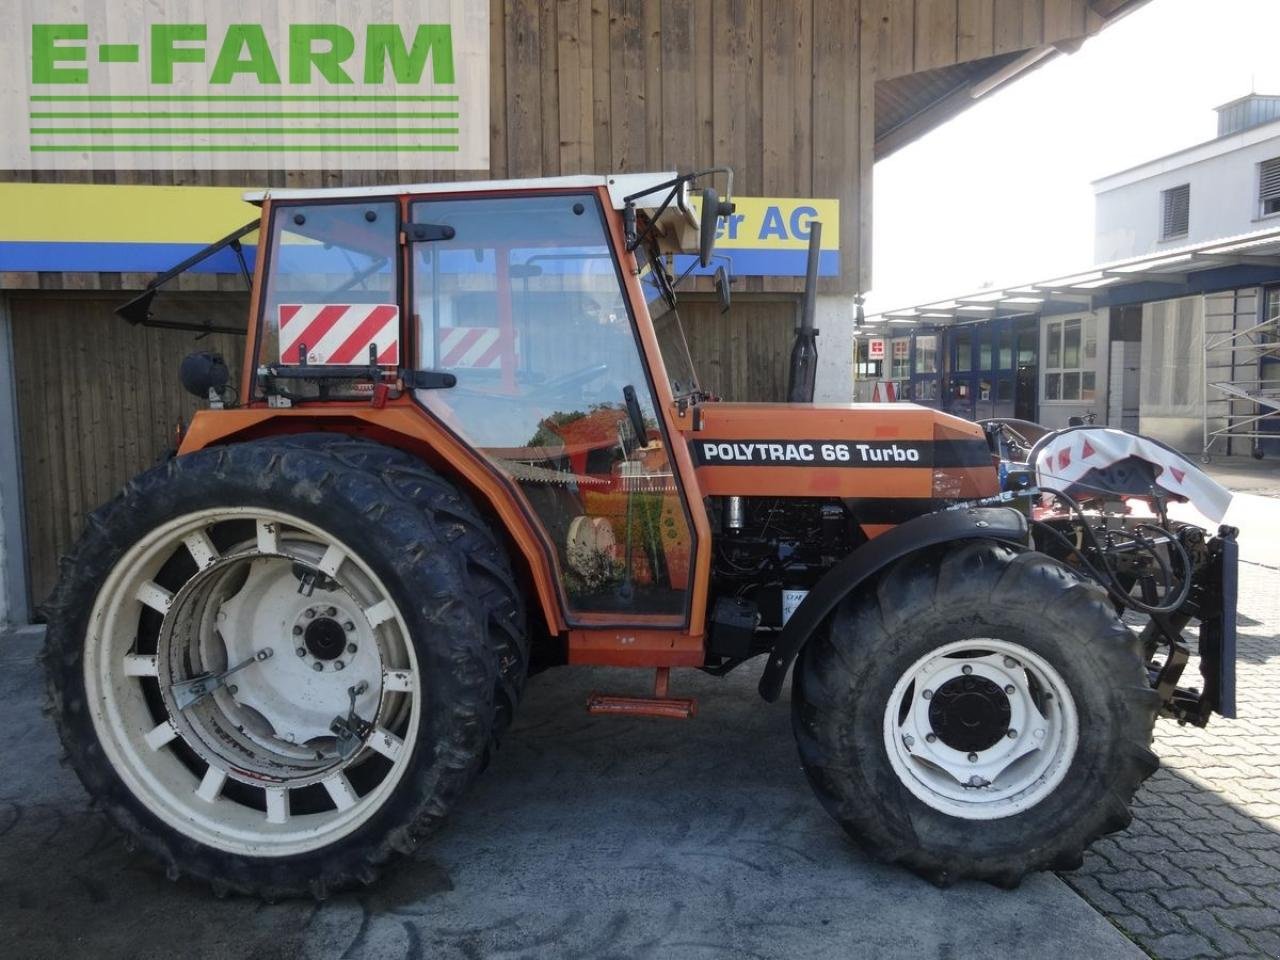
{"x": 1176, "y": 206}
{"x": 926, "y": 354}
{"x": 1269, "y": 186}
{"x": 901, "y": 359}
{"x": 1071, "y": 359}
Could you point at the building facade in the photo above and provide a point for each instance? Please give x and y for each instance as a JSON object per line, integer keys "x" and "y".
{"x": 1174, "y": 334}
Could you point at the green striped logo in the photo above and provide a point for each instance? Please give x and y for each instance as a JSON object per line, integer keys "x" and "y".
{"x": 205, "y": 92}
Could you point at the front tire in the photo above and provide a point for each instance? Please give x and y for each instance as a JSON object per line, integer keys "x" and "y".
{"x": 980, "y": 713}
{"x": 339, "y": 598}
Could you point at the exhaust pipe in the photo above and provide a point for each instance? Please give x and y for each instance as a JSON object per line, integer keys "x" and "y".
{"x": 804, "y": 355}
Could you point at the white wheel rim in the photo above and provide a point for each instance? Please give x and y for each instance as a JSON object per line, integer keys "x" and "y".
{"x": 981, "y": 729}
{"x": 252, "y": 768}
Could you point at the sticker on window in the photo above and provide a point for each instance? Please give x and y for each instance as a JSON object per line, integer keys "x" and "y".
{"x": 333, "y": 333}
{"x": 473, "y": 348}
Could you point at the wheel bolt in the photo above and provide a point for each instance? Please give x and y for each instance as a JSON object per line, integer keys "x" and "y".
{"x": 338, "y": 664}
{"x": 297, "y": 630}
{"x": 1012, "y": 734}
{"x": 348, "y": 626}
{"x": 317, "y": 666}
{"x": 931, "y": 738}
{"x": 1009, "y": 689}
{"x": 309, "y": 613}
{"x": 973, "y": 758}
{"x": 233, "y": 689}
{"x": 909, "y": 741}
{"x": 1010, "y": 662}
{"x": 331, "y": 612}
{"x": 966, "y": 669}
{"x": 352, "y": 648}
{"x": 928, "y": 694}
{"x": 976, "y": 781}
{"x": 301, "y": 651}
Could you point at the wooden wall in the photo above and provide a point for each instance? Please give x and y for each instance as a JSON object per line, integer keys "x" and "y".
{"x": 746, "y": 353}
{"x": 781, "y": 90}
{"x": 97, "y": 401}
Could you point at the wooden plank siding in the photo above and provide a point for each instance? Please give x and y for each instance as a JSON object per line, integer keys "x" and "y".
{"x": 778, "y": 89}
{"x": 98, "y": 401}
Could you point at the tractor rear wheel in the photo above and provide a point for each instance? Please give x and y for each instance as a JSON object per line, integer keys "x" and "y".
{"x": 275, "y": 664}
{"x": 978, "y": 713}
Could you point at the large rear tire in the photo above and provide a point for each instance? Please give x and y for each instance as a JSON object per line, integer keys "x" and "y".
{"x": 979, "y": 713}
{"x": 347, "y": 599}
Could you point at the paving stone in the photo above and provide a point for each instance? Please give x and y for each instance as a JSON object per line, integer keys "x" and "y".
{"x": 1131, "y": 924}
{"x": 1197, "y": 872}
{"x": 1249, "y": 918}
{"x": 1157, "y": 915}
{"x": 1267, "y": 942}
{"x": 1092, "y": 890}
{"x": 1189, "y": 898}
{"x": 1230, "y": 887}
{"x": 1180, "y": 946}
{"x": 1223, "y": 938}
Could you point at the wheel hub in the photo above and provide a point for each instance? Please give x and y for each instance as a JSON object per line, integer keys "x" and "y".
{"x": 325, "y": 639}
{"x": 969, "y": 713}
{"x": 299, "y": 693}
{"x": 981, "y": 728}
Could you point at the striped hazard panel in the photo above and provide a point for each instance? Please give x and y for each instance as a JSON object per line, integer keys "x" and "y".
{"x": 476, "y": 348}
{"x": 339, "y": 332}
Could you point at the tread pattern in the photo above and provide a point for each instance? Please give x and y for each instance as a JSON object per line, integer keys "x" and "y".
{"x": 433, "y": 551}
{"x": 493, "y": 582}
{"x": 843, "y": 678}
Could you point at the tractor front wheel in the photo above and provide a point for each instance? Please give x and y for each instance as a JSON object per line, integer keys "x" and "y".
{"x": 277, "y": 664}
{"x": 979, "y": 713}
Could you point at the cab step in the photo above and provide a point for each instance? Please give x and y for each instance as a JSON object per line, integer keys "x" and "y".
{"x": 659, "y": 705}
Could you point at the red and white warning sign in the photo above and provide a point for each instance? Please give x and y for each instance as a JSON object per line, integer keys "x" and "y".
{"x": 875, "y": 349}
{"x": 340, "y": 332}
{"x": 475, "y": 348}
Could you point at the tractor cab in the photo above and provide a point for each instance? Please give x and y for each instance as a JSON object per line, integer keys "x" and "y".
{"x": 511, "y": 316}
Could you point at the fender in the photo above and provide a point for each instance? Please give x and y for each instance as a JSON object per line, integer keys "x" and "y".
{"x": 931, "y": 529}
{"x": 402, "y": 425}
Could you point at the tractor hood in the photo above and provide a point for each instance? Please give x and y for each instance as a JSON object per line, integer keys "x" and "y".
{"x": 880, "y": 451}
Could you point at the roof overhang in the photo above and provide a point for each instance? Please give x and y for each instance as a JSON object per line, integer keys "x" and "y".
{"x": 1163, "y": 275}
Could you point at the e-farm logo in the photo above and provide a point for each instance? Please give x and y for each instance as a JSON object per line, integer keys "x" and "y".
{"x": 149, "y": 85}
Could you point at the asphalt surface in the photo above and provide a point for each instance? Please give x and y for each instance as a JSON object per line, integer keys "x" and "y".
{"x": 587, "y": 837}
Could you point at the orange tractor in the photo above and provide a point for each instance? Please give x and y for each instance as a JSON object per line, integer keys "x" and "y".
{"x": 469, "y": 439}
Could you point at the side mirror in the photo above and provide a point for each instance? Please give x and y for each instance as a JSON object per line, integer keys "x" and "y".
{"x": 713, "y": 208}
{"x": 722, "y": 288}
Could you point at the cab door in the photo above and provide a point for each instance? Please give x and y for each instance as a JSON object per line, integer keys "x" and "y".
{"x": 524, "y": 304}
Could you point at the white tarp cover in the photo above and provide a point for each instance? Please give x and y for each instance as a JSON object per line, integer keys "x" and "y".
{"x": 1067, "y": 457}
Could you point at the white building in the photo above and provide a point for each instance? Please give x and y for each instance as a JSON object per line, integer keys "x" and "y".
{"x": 1223, "y": 188}
{"x": 1175, "y": 334}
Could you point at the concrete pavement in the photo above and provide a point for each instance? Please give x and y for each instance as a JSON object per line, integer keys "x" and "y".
{"x": 587, "y": 837}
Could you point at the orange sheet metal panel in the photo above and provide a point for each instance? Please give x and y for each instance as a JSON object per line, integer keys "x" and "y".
{"x": 402, "y": 424}
{"x": 635, "y": 648}
{"x": 888, "y": 450}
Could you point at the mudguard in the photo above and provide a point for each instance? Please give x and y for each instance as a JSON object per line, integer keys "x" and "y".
{"x": 931, "y": 529}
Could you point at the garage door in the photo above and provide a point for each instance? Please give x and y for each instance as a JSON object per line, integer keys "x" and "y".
{"x": 98, "y": 401}
{"x": 743, "y": 354}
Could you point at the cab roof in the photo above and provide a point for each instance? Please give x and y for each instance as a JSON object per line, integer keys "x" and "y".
{"x": 620, "y": 185}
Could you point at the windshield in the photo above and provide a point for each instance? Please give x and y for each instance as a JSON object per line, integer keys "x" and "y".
{"x": 655, "y": 281}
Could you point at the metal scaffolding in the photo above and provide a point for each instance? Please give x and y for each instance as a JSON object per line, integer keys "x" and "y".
{"x": 1241, "y": 372}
